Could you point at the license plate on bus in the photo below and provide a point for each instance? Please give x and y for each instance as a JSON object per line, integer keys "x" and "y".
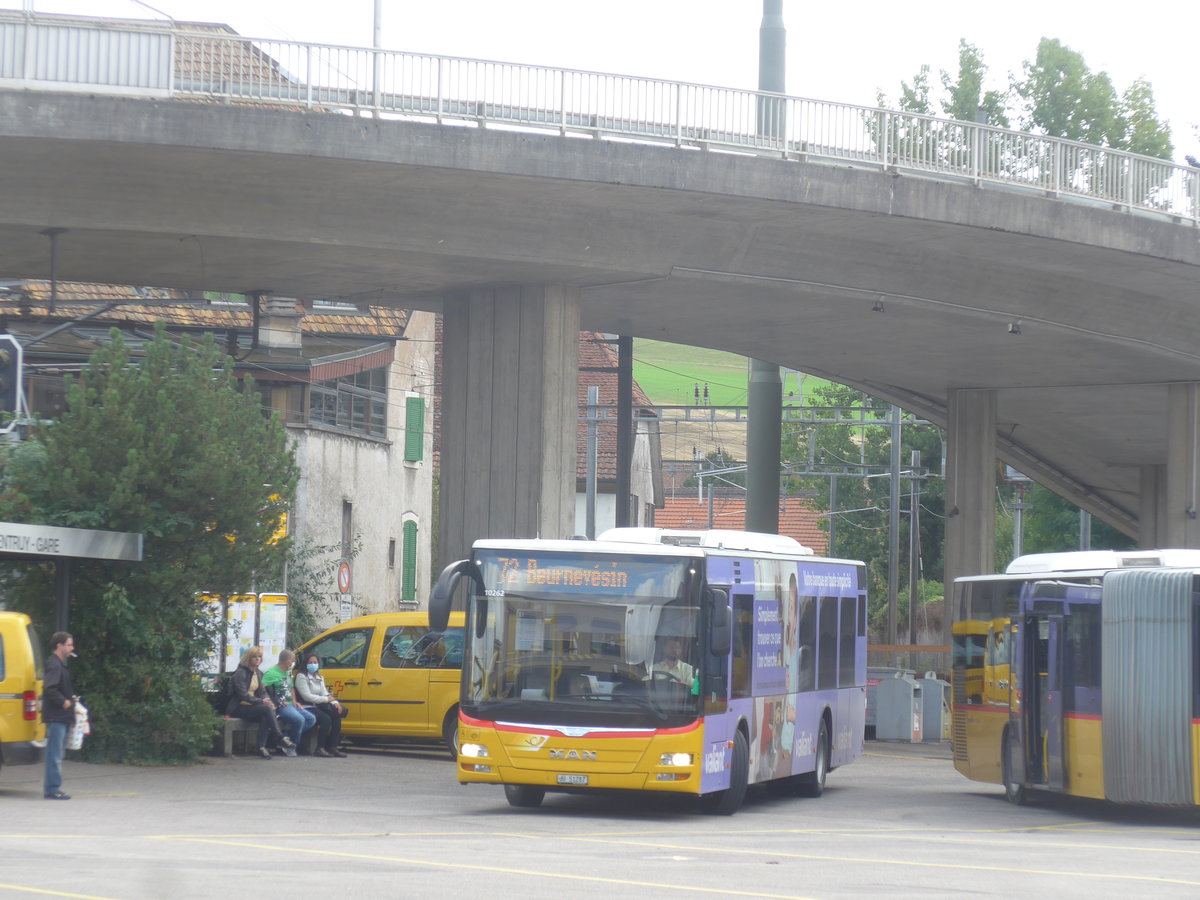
{"x": 572, "y": 779}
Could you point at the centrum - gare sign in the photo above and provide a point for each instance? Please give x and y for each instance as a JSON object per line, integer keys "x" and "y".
{"x": 68, "y": 543}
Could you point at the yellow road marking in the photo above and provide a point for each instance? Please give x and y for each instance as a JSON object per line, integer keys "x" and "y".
{"x": 625, "y": 882}
{"x": 898, "y": 862}
{"x": 33, "y": 890}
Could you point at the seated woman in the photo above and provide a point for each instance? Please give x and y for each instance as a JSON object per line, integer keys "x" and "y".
{"x": 248, "y": 700}
{"x": 313, "y": 694}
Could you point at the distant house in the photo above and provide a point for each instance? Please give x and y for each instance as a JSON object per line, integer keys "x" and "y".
{"x": 598, "y": 368}
{"x": 797, "y": 519}
{"x": 351, "y": 385}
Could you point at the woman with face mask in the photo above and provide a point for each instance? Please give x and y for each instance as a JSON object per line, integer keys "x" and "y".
{"x": 314, "y": 695}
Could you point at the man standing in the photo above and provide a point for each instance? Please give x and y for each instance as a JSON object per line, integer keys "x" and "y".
{"x": 58, "y": 711}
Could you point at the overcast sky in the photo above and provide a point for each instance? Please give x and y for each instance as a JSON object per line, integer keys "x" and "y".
{"x": 843, "y": 52}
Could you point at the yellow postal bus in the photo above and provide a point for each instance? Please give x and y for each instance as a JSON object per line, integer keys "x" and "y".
{"x": 1091, "y": 677}
{"x": 657, "y": 660}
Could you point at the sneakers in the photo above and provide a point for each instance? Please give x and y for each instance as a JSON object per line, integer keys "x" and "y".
{"x": 320, "y": 751}
{"x": 264, "y": 753}
{"x": 287, "y": 744}
{"x": 58, "y": 795}
{"x": 289, "y": 751}
{"x": 339, "y": 753}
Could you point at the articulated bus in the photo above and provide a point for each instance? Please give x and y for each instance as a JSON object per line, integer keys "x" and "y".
{"x": 1079, "y": 674}
{"x": 658, "y": 660}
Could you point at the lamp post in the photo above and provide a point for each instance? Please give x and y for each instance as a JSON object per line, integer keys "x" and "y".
{"x": 765, "y": 395}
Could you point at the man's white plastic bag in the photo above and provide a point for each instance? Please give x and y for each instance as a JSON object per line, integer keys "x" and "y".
{"x": 80, "y": 729}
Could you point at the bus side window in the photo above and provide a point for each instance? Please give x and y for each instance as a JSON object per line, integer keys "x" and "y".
{"x": 808, "y": 643}
{"x": 743, "y": 644}
{"x": 828, "y": 644}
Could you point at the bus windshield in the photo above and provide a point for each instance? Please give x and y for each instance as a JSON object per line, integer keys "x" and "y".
{"x": 605, "y": 640}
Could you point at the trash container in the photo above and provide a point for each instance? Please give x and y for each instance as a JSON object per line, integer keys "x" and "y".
{"x": 876, "y": 674}
{"x": 898, "y": 708}
{"x": 935, "y": 708}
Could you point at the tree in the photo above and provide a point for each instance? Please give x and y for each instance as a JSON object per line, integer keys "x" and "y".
{"x": 1051, "y": 524}
{"x": 863, "y": 498}
{"x": 964, "y": 98}
{"x": 173, "y": 447}
{"x": 1063, "y": 98}
{"x": 713, "y": 461}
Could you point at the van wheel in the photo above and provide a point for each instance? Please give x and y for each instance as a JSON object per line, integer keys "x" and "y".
{"x": 450, "y": 733}
{"x": 524, "y": 796}
{"x": 812, "y": 784}
{"x": 729, "y": 801}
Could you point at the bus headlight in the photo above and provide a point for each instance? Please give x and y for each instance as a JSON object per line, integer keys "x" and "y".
{"x": 474, "y": 751}
{"x": 675, "y": 759}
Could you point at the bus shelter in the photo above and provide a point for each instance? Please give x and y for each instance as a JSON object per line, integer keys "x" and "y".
{"x": 62, "y": 545}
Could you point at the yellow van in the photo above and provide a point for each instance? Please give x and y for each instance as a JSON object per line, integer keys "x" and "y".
{"x": 22, "y": 734}
{"x": 395, "y": 676}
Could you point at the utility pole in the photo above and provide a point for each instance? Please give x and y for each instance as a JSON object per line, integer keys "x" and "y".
{"x": 593, "y": 419}
{"x": 914, "y": 545}
{"x": 894, "y": 528}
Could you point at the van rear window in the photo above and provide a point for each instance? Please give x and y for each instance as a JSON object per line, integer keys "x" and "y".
{"x": 35, "y": 643}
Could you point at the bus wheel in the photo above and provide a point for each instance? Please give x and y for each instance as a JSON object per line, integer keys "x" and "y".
{"x": 1014, "y": 791}
{"x": 524, "y": 796}
{"x": 729, "y": 801}
{"x": 450, "y": 733}
{"x": 812, "y": 784}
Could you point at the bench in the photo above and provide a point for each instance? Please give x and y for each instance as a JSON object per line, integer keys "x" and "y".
{"x": 232, "y": 726}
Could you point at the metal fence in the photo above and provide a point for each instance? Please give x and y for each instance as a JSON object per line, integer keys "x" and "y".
{"x": 156, "y": 60}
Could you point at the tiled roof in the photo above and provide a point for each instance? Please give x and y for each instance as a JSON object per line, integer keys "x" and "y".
{"x": 796, "y": 518}
{"x": 75, "y": 299}
{"x": 598, "y": 368}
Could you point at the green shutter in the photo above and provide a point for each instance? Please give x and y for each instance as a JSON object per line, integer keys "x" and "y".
{"x": 414, "y": 429}
{"x": 408, "y": 564}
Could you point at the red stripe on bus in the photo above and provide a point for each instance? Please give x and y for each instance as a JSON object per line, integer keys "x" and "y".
{"x": 973, "y": 707}
{"x": 1089, "y": 717}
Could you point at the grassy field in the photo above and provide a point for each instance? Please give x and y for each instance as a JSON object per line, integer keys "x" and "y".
{"x": 670, "y": 374}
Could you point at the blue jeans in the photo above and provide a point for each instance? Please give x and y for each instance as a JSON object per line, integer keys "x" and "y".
{"x": 56, "y": 742}
{"x": 294, "y": 721}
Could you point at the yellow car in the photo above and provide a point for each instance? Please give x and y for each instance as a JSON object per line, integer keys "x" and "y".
{"x": 395, "y": 676}
{"x": 22, "y": 734}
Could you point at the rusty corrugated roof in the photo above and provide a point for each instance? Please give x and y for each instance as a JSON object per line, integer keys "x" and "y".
{"x": 796, "y": 518}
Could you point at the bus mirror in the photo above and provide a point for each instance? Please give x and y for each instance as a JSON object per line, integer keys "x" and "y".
{"x": 720, "y": 635}
{"x": 442, "y": 598}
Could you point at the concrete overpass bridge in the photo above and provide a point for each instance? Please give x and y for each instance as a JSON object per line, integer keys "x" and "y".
{"x": 1036, "y": 297}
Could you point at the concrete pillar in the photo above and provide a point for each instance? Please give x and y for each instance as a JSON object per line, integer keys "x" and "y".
{"x": 970, "y": 489}
{"x": 1152, "y": 507}
{"x": 510, "y": 365}
{"x": 1181, "y": 525}
{"x": 763, "y": 433}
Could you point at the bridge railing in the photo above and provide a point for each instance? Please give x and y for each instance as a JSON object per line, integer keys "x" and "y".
{"x": 199, "y": 63}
